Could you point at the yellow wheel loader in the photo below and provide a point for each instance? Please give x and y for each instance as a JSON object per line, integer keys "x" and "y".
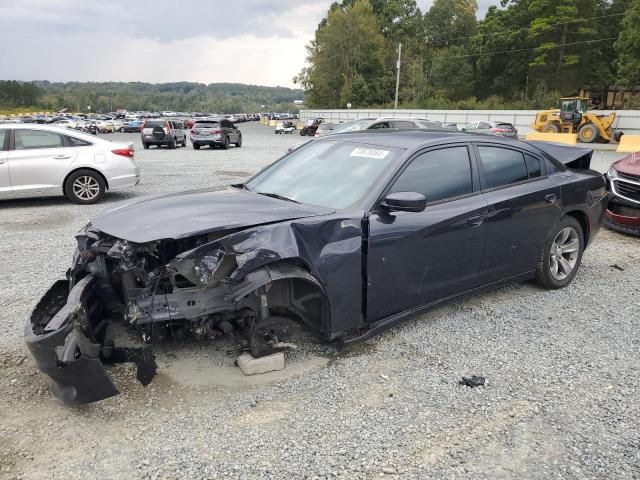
{"x": 573, "y": 117}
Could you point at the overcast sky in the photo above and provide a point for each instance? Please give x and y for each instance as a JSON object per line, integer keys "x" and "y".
{"x": 247, "y": 41}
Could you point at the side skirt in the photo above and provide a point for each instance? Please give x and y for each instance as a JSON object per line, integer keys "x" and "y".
{"x": 390, "y": 321}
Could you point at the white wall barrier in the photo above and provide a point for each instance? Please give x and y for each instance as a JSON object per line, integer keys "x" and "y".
{"x": 626, "y": 120}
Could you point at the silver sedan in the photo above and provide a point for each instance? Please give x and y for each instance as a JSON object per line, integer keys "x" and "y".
{"x": 42, "y": 161}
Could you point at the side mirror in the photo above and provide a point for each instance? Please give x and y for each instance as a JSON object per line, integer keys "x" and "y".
{"x": 405, "y": 202}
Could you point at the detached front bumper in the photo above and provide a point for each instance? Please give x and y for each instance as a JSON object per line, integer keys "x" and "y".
{"x": 62, "y": 335}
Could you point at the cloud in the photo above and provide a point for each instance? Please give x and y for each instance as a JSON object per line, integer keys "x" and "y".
{"x": 249, "y": 41}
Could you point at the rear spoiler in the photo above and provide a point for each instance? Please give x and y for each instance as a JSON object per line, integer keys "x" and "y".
{"x": 572, "y": 157}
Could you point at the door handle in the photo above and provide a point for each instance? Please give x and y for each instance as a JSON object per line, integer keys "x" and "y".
{"x": 62, "y": 157}
{"x": 476, "y": 221}
{"x": 551, "y": 198}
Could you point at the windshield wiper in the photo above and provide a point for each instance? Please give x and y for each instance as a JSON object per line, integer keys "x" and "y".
{"x": 275, "y": 195}
{"x": 241, "y": 186}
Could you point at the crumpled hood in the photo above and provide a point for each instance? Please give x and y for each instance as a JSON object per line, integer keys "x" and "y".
{"x": 185, "y": 214}
{"x": 629, "y": 164}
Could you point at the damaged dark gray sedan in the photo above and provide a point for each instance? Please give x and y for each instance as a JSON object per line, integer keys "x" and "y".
{"x": 347, "y": 235}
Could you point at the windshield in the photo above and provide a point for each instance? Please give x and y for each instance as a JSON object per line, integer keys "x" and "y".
{"x": 329, "y": 174}
{"x": 353, "y": 126}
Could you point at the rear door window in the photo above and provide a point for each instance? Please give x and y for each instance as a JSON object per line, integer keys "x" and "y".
{"x": 35, "y": 139}
{"x": 438, "y": 174}
{"x": 501, "y": 166}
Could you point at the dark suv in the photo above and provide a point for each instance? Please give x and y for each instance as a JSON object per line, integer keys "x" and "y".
{"x": 215, "y": 131}
{"x": 163, "y": 132}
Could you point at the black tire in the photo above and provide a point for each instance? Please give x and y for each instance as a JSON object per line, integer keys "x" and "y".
{"x": 226, "y": 144}
{"x": 122, "y": 130}
{"x": 303, "y": 132}
{"x": 84, "y": 197}
{"x": 544, "y": 274}
{"x": 551, "y": 128}
{"x": 617, "y": 136}
{"x": 172, "y": 144}
{"x": 158, "y": 133}
{"x": 196, "y": 146}
{"x": 145, "y": 145}
{"x": 184, "y": 142}
{"x": 588, "y": 133}
{"x": 239, "y": 142}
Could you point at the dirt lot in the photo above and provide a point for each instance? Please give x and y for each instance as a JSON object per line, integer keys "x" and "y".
{"x": 561, "y": 398}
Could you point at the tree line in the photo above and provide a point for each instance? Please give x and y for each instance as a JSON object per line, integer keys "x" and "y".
{"x": 522, "y": 54}
{"x": 179, "y": 96}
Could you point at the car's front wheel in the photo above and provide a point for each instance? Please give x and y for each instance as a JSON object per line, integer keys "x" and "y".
{"x": 122, "y": 130}
{"x": 84, "y": 187}
{"x": 562, "y": 254}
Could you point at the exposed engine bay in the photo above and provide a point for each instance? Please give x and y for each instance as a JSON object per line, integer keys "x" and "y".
{"x": 157, "y": 290}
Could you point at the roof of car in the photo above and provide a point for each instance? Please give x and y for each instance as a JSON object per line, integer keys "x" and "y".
{"x": 410, "y": 139}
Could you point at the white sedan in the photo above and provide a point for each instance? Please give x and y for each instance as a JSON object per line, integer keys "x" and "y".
{"x": 43, "y": 160}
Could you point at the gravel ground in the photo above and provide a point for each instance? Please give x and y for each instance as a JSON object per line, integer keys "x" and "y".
{"x": 561, "y": 398}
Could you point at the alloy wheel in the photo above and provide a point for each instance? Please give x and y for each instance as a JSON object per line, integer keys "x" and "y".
{"x": 86, "y": 187}
{"x": 564, "y": 253}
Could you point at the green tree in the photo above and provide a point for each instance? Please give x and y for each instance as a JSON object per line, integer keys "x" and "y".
{"x": 558, "y": 29}
{"x": 346, "y": 59}
{"x": 452, "y": 74}
{"x": 628, "y": 46}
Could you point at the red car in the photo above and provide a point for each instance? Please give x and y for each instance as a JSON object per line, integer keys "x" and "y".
{"x": 623, "y": 212}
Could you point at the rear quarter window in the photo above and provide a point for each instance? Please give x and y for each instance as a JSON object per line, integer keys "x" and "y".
{"x": 77, "y": 142}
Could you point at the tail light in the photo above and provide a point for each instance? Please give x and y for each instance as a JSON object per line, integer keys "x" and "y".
{"x": 213, "y": 132}
{"x": 124, "y": 152}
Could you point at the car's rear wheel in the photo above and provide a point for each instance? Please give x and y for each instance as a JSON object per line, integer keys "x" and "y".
{"x": 145, "y": 145}
{"x": 562, "y": 254}
{"x": 239, "y": 142}
{"x": 196, "y": 146}
{"x": 172, "y": 144}
{"x": 225, "y": 145}
{"x": 84, "y": 187}
{"x": 184, "y": 142}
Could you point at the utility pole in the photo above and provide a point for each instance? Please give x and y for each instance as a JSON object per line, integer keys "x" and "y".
{"x": 398, "y": 74}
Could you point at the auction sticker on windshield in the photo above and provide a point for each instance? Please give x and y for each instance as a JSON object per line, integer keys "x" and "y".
{"x": 369, "y": 153}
